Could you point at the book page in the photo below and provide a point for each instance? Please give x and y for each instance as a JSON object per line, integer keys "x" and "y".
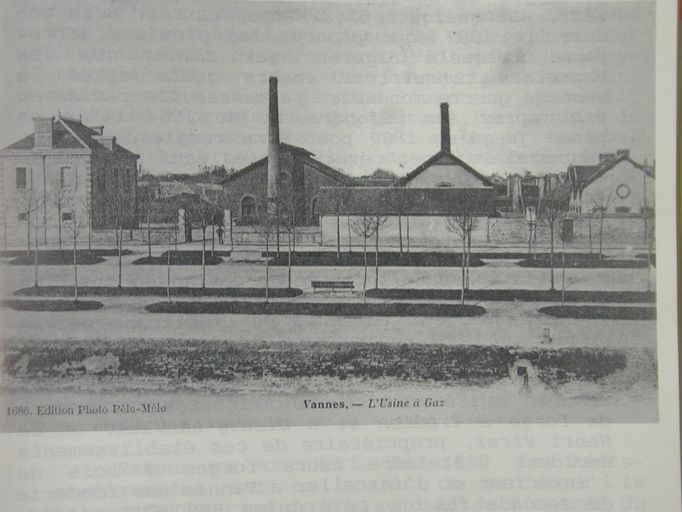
{"x": 310, "y": 256}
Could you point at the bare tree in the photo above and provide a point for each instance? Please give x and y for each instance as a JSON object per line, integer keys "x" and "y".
{"x": 266, "y": 227}
{"x": 172, "y": 235}
{"x": 289, "y": 208}
{"x": 377, "y": 221}
{"x": 145, "y": 202}
{"x": 338, "y": 199}
{"x": 122, "y": 212}
{"x": 400, "y": 202}
{"x": 88, "y": 210}
{"x": 600, "y": 205}
{"x": 202, "y": 209}
{"x": 364, "y": 227}
{"x": 553, "y": 209}
{"x": 461, "y": 225}
{"x": 75, "y": 226}
{"x": 27, "y": 203}
{"x": 60, "y": 197}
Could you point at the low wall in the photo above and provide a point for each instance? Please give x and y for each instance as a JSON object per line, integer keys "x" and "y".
{"x": 507, "y": 230}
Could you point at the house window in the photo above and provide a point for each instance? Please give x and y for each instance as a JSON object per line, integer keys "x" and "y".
{"x": 21, "y": 177}
{"x": 127, "y": 184}
{"x": 67, "y": 216}
{"x": 622, "y": 209}
{"x": 22, "y": 216}
{"x": 248, "y": 210}
{"x": 66, "y": 177}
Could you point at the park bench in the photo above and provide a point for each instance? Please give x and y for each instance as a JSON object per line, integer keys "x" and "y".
{"x": 332, "y": 285}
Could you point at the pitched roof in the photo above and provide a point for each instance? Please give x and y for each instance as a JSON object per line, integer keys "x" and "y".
{"x": 303, "y": 153}
{"x": 407, "y": 201}
{"x": 70, "y": 133}
{"x": 584, "y": 175}
{"x": 435, "y": 158}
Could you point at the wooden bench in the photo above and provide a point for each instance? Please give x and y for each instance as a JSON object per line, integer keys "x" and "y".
{"x": 332, "y": 285}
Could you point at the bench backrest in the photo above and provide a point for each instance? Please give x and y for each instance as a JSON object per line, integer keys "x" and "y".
{"x": 332, "y": 284}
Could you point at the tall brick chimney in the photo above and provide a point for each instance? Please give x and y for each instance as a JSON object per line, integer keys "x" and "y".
{"x": 444, "y": 128}
{"x": 273, "y": 140}
{"x": 42, "y": 132}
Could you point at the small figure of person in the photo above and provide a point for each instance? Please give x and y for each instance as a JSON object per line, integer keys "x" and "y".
{"x": 221, "y": 232}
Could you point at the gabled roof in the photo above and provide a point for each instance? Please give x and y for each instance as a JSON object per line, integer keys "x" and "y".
{"x": 585, "y": 175}
{"x": 68, "y": 133}
{"x": 302, "y": 153}
{"x": 435, "y": 158}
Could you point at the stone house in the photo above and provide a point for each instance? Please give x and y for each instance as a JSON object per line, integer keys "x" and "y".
{"x": 64, "y": 169}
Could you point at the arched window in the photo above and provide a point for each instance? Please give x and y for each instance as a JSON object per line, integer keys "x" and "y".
{"x": 314, "y": 215}
{"x": 248, "y": 210}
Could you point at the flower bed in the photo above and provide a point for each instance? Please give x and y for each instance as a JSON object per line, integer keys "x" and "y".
{"x": 357, "y": 259}
{"x": 193, "y": 361}
{"x": 179, "y": 258}
{"x": 577, "y": 260}
{"x": 601, "y": 312}
{"x": 317, "y": 308}
{"x": 155, "y": 291}
{"x": 51, "y": 305}
{"x": 511, "y": 295}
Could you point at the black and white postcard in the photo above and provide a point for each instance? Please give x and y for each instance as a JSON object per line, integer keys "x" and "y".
{"x": 454, "y": 215}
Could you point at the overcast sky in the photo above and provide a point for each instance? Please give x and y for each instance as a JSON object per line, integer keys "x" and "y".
{"x": 185, "y": 83}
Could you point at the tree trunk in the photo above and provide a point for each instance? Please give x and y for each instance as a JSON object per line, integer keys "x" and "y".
{"x": 277, "y": 232}
{"x": 601, "y": 235}
{"x": 400, "y": 233}
{"x": 407, "y": 232}
{"x": 338, "y": 236}
{"x": 59, "y": 225}
{"x": 168, "y": 272}
{"x": 267, "y": 266}
{"x": 120, "y": 250}
{"x": 468, "y": 253}
{"x": 464, "y": 248}
{"x": 589, "y": 231}
{"x": 28, "y": 235}
{"x": 289, "y": 262}
{"x": 75, "y": 261}
{"x": 231, "y": 236}
{"x": 149, "y": 232}
{"x": 203, "y": 256}
{"x": 563, "y": 273}
{"x": 364, "y": 280}
{"x": 89, "y": 232}
{"x": 530, "y": 241}
{"x": 293, "y": 245}
{"x": 551, "y": 256}
{"x": 35, "y": 252}
{"x": 212, "y": 239}
{"x": 350, "y": 244}
{"x": 376, "y": 255}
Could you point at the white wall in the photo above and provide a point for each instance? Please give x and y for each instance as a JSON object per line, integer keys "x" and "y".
{"x": 43, "y": 184}
{"x": 622, "y": 174}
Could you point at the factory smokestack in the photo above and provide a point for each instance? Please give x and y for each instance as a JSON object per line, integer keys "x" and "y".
{"x": 444, "y": 128}
{"x": 273, "y": 140}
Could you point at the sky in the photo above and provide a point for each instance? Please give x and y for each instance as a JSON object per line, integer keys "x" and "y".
{"x": 535, "y": 87}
